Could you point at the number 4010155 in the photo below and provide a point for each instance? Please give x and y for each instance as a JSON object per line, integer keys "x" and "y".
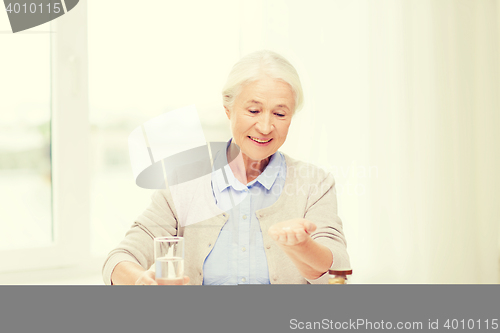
{"x": 33, "y": 8}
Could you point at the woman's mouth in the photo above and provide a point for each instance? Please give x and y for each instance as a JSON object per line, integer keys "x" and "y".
{"x": 259, "y": 140}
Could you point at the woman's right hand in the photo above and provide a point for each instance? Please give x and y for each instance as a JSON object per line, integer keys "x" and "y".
{"x": 148, "y": 278}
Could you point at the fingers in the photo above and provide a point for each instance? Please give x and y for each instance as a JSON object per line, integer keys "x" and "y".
{"x": 292, "y": 232}
{"x": 289, "y": 236}
{"x": 151, "y": 278}
{"x": 146, "y": 279}
{"x": 146, "y": 282}
{"x": 301, "y": 235}
{"x": 278, "y": 234}
{"x": 274, "y": 232}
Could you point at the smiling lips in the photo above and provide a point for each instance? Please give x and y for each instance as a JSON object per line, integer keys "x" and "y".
{"x": 261, "y": 141}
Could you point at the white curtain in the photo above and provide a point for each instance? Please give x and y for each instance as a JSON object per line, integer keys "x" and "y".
{"x": 402, "y": 106}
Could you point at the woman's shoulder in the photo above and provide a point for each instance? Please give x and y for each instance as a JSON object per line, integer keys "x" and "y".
{"x": 305, "y": 171}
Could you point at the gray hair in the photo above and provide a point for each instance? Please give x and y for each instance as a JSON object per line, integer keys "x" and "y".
{"x": 254, "y": 66}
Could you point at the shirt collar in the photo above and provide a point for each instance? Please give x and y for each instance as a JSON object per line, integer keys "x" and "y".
{"x": 266, "y": 178}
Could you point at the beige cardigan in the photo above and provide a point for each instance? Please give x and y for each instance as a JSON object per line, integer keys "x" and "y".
{"x": 309, "y": 192}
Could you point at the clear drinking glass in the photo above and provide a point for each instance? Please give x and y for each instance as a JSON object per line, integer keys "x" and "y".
{"x": 169, "y": 260}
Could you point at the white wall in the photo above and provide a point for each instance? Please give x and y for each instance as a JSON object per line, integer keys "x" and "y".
{"x": 402, "y": 105}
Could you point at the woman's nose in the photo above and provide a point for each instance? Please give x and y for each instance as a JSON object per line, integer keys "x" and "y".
{"x": 264, "y": 124}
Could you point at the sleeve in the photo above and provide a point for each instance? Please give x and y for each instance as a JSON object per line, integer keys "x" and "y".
{"x": 322, "y": 210}
{"x": 158, "y": 220}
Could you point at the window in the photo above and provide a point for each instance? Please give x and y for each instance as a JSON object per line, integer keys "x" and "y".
{"x": 43, "y": 144}
{"x": 25, "y": 166}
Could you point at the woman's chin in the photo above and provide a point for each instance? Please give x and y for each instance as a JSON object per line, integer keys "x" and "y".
{"x": 258, "y": 156}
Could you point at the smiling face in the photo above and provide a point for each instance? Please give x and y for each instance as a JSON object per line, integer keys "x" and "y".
{"x": 260, "y": 117}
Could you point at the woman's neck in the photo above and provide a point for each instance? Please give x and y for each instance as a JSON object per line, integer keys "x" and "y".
{"x": 244, "y": 168}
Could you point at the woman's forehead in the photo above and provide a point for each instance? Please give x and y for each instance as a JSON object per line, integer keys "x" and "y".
{"x": 266, "y": 90}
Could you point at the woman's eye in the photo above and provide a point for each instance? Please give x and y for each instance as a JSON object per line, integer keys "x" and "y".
{"x": 254, "y": 111}
{"x": 280, "y": 114}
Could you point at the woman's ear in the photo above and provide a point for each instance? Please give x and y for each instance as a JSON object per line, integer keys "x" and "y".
{"x": 228, "y": 113}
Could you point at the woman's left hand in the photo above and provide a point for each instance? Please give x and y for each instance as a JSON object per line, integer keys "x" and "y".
{"x": 292, "y": 232}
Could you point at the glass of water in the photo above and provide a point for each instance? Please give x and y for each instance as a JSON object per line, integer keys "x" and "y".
{"x": 169, "y": 260}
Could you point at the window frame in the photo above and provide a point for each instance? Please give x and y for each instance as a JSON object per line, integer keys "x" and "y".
{"x": 69, "y": 152}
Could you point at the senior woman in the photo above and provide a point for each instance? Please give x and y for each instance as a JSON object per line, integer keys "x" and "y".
{"x": 274, "y": 218}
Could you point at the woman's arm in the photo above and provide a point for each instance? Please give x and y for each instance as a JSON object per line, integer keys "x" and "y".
{"x": 137, "y": 247}
{"x": 311, "y": 258}
{"x": 317, "y": 228}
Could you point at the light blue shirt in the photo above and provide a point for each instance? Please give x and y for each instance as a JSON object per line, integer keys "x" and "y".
{"x": 238, "y": 256}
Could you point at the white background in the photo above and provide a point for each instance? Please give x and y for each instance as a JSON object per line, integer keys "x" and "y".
{"x": 401, "y": 104}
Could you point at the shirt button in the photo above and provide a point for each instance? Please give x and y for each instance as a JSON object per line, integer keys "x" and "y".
{"x": 243, "y": 249}
{"x": 243, "y": 279}
{"x": 275, "y": 278}
{"x": 209, "y": 245}
{"x": 244, "y": 217}
{"x": 268, "y": 247}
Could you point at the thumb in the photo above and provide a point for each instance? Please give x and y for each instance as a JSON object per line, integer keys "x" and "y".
{"x": 309, "y": 226}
